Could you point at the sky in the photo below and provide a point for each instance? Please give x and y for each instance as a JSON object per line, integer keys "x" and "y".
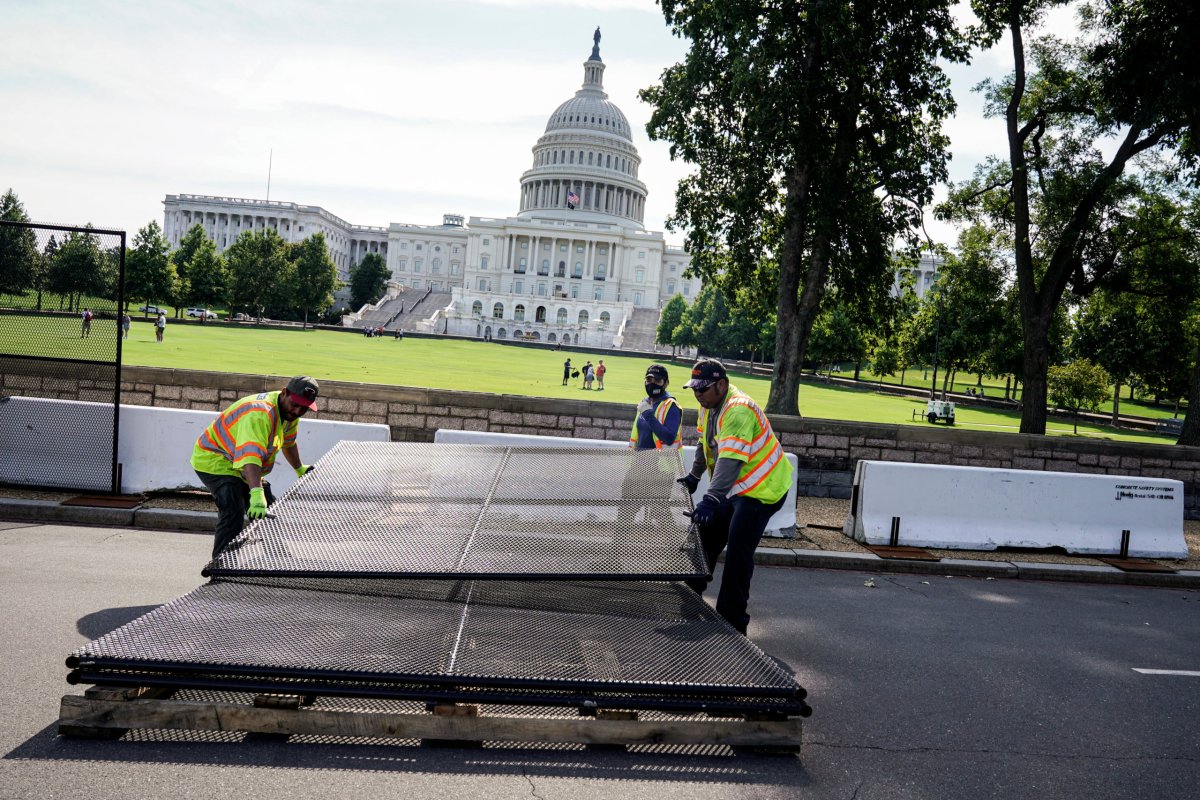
{"x": 379, "y": 111}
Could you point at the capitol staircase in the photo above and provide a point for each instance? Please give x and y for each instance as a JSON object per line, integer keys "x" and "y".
{"x": 641, "y": 330}
{"x": 422, "y": 308}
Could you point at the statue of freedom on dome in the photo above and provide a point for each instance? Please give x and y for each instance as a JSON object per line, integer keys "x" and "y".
{"x": 596, "y": 46}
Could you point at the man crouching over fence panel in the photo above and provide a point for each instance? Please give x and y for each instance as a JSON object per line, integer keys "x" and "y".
{"x": 236, "y": 452}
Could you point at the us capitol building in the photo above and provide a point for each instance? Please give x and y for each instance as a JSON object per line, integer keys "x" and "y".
{"x": 575, "y": 265}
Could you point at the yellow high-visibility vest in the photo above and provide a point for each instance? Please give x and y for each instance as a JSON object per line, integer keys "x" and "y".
{"x": 744, "y": 433}
{"x": 251, "y": 431}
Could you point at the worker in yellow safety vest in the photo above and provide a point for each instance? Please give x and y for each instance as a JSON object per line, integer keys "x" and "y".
{"x": 238, "y": 449}
{"x": 749, "y": 481}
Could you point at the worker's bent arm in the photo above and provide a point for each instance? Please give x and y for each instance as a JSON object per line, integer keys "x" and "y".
{"x": 292, "y": 454}
{"x": 253, "y": 475}
{"x": 699, "y": 463}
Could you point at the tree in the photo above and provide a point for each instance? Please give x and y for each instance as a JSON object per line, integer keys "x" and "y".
{"x": 668, "y": 321}
{"x": 835, "y": 338}
{"x": 78, "y": 268}
{"x": 189, "y": 244}
{"x": 1076, "y": 117}
{"x": 368, "y": 280}
{"x": 258, "y": 270}
{"x": 18, "y": 248}
{"x": 885, "y": 361}
{"x": 208, "y": 277}
{"x": 315, "y": 275}
{"x": 1078, "y": 386}
{"x": 815, "y": 130}
{"x": 149, "y": 273}
{"x": 1108, "y": 332}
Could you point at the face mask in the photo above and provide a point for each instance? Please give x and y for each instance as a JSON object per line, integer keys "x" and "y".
{"x": 654, "y": 390}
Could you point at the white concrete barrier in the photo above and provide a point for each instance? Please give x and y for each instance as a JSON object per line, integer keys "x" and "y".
{"x": 155, "y": 443}
{"x": 977, "y": 508}
{"x": 782, "y": 524}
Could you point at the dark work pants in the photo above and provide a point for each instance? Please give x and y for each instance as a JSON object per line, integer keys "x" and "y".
{"x": 738, "y": 524}
{"x": 233, "y": 499}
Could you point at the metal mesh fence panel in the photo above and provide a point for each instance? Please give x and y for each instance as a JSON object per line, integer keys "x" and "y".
{"x": 61, "y": 295}
{"x": 623, "y": 644}
{"x": 431, "y": 510}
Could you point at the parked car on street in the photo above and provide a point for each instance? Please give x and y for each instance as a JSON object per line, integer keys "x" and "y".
{"x": 201, "y": 312}
{"x": 152, "y": 310}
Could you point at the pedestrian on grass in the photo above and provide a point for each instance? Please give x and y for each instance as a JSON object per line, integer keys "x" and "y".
{"x": 749, "y": 481}
{"x": 87, "y": 324}
{"x": 566, "y": 371}
{"x": 600, "y": 370}
{"x": 160, "y": 326}
{"x": 589, "y": 374}
{"x": 235, "y": 453}
{"x": 126, "y": 321}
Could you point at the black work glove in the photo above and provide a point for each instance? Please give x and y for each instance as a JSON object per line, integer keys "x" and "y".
{"x": 690, "y": 482}
{"x": 705, "y": 510}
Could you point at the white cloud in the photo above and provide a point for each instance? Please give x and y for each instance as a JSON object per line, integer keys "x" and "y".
{"x": 394, "y": 112}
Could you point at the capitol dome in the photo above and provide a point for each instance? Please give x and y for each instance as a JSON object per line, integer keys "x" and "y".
{"x": 585, "y": 167}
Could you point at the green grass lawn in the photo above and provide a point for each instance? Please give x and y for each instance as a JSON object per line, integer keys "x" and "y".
{"x": 462, "y": 366}
{"x": 993, "y": 387}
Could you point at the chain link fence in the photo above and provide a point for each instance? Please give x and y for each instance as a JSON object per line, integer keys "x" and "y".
{"x": 61, "y": 308}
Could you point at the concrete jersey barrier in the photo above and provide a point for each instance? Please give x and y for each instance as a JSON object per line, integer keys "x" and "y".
{"x": 155, "y": 444}
{"x": 979, "y": 508}
{"x": 782, "y": 525}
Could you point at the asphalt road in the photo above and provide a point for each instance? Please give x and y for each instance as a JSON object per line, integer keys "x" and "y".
{"x": 923, "y": 687}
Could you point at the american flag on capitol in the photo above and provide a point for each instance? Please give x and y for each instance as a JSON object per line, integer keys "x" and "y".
{"x": 572, "y": 199}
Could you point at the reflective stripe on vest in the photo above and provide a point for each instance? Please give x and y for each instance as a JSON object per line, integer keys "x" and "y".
{"x": 219, "y": 438}
{"x": 766, "y": 472}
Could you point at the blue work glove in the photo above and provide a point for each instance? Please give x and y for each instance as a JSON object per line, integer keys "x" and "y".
{"x": 705, "y": 510}
{"x": 689, "y": 482}
{"x": 304, "y": 469}
{"x": 258, "y": 504}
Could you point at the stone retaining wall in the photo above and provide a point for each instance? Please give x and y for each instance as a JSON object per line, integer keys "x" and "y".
{"x": 827, "y": 450}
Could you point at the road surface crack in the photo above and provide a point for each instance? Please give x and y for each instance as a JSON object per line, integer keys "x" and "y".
{"x": 532, "y": 787}
{"x": 902, "y": 586}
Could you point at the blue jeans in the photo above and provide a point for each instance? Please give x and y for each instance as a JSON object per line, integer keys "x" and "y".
{"x": 232, "y": 495}
{"x": 738, "y": 524}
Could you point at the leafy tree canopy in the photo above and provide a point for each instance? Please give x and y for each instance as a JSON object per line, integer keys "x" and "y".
{"x": 368, "y": 280}
{"x": 815, "y": 130}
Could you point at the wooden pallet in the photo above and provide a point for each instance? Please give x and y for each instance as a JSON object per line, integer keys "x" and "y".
{"x": 108, "y": 713}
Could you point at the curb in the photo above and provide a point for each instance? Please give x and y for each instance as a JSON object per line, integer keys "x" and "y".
{"x": 205, "y": 521}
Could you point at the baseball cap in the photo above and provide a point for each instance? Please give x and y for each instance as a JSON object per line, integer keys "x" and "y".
{"x": 705, "y": 373}
{"x": 304, "y": 390}
{"x": 657, "y": 371}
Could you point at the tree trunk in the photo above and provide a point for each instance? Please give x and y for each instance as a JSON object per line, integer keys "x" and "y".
{"x": 1191, "y": 432}
{"x": 902, "y": 371}
{"x": 857, "y": 368}
{"x": 795, "y": 317}
{"x": 1036, "y": 363}
{"x": 1116, "y": 415}
{"x": 1007, "y": 385}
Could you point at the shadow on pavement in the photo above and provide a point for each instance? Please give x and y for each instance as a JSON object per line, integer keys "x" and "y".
{"x": 678, "y": 763}
{"x": 98, "y": 623}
